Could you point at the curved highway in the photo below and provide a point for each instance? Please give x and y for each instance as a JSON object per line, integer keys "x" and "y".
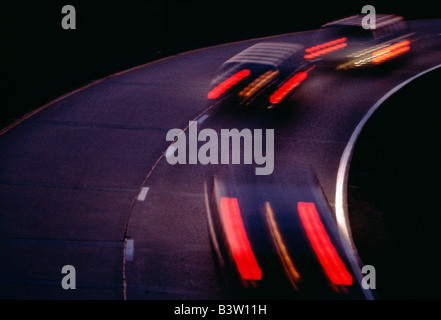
{"x": 84, "y": 180}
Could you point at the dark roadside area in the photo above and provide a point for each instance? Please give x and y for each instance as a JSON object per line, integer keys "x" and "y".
{"x": 42, "y": 61}
{"x": 394, "y": 190}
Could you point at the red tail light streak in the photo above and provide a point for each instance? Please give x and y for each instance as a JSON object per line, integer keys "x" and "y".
{"x": 228, "y": 83}
{"x": 237, "y": 239}
{"x": 322, "y": 245}
{"x": 325, "y": 48}
{"x": 390, "y": 52}
{"x": 287, "y": 87}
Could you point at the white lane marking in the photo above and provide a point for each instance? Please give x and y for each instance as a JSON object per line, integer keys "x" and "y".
{"x": 143, "y": 194}
{"x": 202, "y": 119}
{"x": 170, "y": 151}
{"x": 342, "y": 174}
{"x": 130, "y": 249}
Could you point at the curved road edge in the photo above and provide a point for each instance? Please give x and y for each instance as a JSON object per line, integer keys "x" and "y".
{"x": 341, "y": 206}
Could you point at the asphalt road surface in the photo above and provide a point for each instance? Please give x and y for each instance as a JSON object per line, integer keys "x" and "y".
{"x": 74, "y": 176}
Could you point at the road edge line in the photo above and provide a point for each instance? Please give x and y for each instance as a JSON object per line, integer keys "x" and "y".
{"x": 341, "y": 212}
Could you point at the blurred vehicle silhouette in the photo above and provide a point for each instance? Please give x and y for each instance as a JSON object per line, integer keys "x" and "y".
{"x": 345, "y": 44}
{"x": 275, "y": 236}
{"x": 264, "y": 74}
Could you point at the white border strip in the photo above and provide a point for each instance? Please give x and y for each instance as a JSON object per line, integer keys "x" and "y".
{"x": 342, "y": 174}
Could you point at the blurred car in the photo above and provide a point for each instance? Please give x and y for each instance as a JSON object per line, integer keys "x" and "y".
{"x": 345, "y": 44}
{"x": 263, "y": 74}
{"x": 275, "y": 237}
